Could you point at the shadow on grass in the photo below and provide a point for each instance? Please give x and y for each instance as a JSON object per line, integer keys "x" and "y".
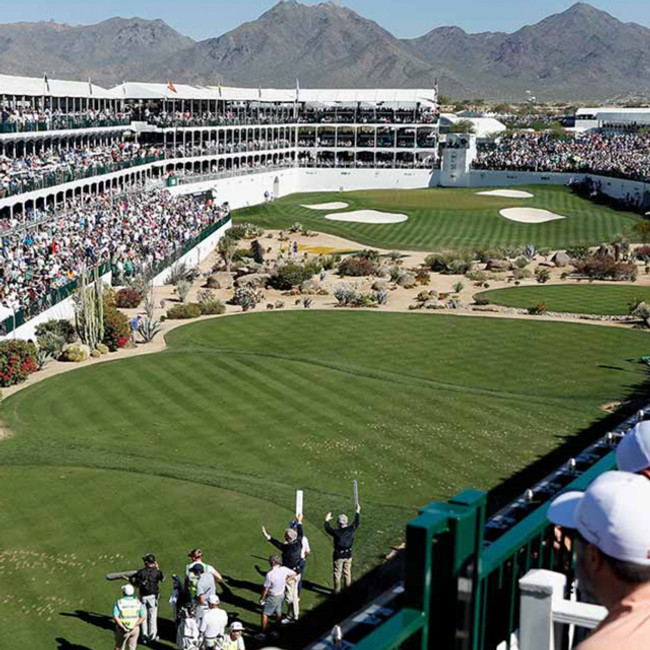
{"x": 64, "y": 644}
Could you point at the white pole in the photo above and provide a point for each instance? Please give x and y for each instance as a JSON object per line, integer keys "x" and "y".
{"x": 355, "y": 493}
{"x": 299, "y": 501}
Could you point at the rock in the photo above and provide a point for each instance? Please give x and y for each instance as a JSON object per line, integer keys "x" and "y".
{"x": 407, "y": 281}
{"x": 311, "y": 287}
{"x": 255, "y": 280}
{"x": 220, "y": 280}
{"x": 75, "y": 352}
{"x": 561, "y": 259}
{"x": 498, "y": 265}
{"x": 380, "y": 285}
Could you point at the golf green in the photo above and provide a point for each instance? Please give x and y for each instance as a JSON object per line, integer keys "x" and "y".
{"x": 450, "y": 218}
{"x": 204, "y": 443}
{"x": 605, "y": 299}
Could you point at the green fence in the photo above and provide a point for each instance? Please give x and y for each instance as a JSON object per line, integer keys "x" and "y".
{"x": 461, "y": 589}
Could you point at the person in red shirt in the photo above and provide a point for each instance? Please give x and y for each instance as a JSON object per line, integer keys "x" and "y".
{"x": 612, "y": 545}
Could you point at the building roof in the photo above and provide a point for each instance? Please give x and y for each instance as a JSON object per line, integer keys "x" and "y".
{"x": 38, "y": 87}
{"x": 483, "y": 126}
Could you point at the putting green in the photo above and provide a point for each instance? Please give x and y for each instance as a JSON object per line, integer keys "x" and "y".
{"x": 609, "y": 300}
{"x": 208, "y": 440}
{"x": 450, "y": 218}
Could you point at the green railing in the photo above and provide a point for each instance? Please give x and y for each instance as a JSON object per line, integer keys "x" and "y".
{"x": 21, "y": 186}
{"x": 462, "y": 590}
{"x": 59, "y": 124}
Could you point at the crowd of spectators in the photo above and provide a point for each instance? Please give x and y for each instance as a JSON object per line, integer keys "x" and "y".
{"x": 133, "y": 230}
{"x": 619, "y": 155}
{"x": 173, "y": 119}
{"x": 55, "y": 166}
{"x": 16, "y": 120}
{"x": 213, "y": 148}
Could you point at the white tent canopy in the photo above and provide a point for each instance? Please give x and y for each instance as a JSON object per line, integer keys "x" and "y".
{"x": 38, "y": 87}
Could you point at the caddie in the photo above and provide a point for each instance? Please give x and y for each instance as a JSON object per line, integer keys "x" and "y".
{"x": 128, "y": 614}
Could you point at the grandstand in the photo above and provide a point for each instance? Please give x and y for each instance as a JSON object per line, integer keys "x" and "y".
{"x": 70, "y": 151}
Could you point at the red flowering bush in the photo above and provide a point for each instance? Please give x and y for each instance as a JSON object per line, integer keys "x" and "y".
{"x": 117, "y": 330}
{"x": 606, "y": 268}
{"x": 17, "y": 362}
{"x": 357, "y": 266}
{"x": 128, "y": 298}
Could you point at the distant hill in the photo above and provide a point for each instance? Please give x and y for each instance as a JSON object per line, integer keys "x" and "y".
{"x": 580, "y": 54}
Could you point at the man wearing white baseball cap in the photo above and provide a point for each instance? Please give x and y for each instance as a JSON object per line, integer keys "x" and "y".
{"x": 612, "y": 520}
{"x": 213, "y": 624}
{"x": 633, "y": 452}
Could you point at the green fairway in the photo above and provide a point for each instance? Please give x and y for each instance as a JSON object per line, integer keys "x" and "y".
{"x": 450, "y": 218}
{"x": 608, "y": 300}
{"x": 202, "y": 444}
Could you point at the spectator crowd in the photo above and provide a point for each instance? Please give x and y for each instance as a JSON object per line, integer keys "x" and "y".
{"x": 132, "y": 230}
{"x": 619, "y": 155}
{"x": 17, "y": 120}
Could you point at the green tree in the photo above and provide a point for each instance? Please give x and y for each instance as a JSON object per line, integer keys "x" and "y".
{"x": 462, "y": 126}
{"x": 642, "y": 229}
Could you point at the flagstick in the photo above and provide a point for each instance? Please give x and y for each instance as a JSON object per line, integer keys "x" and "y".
{"x": 299, "y": 502}
{"x": 355, "y": 493}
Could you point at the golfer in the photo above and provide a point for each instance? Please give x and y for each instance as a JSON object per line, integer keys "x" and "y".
{"x": 612, "y": 555}
{"x": 128, "y": 614}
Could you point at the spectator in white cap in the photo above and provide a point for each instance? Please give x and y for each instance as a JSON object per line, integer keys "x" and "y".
{"x": 128, "y": 614}
{"x": 235, "y": 640}
{"x": 633, "y": 452}
{"x": 612, "y": 547}
{"x": 213, "y": 624}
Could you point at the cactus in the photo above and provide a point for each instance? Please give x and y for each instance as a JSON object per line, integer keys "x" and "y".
{"x": 530, "y": 251}
{"x": 89, "y": 310}
{"x": 149, "y": 329}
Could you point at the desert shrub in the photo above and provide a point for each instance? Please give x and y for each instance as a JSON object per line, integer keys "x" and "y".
{"x": 642, "y": 229}
{"x": 450, "y": 262}
{"x": 606, "y": 268}
{"x": 184, "y": 311}
{"x": 51, "y": 344}
{"x": 128, "y": 298}
{"x": 245, "y": 231}
{"x": 476, "y": 275}
{"x": 117, "y": 330}
{"x": 544, "y": 252}
{"x": 578, "y": 252}
{"x": 522, "y": 274}
{"x": 307, "y": 302}
{"x": 182, "y": 271}
{"x": 530, "y": 251}
{"x": 458, "y": 287}
{"x": 75, "y": 352}
{"x": 290, "y": 275}
{"x": 296, "y": 227}
{"x": 537, "y": 310}
{"x": 103, "y": 349}
{"x": 329, "y": 262}
{"x": 18, "y": 360}
{"x": 345, "y": 294}
{"x": 422, "y": 276}
{"x": 357, "y": 266}
{"x": 481, "y": 300}
{"x": 212, "y": 307}
{"x": 247, "y": 297}
{"x": 183, "y": 289}
{"x": 43, "y": 358}
{"x": 641, "y": 310}
{"x": 380, "y": 297}
{"x": 542, "y": 275}
{"x": 522, "y": 262}
{"x": 396, "y": 272}
{"x": 483, "y": 255}
{"x": 63, "y": 328}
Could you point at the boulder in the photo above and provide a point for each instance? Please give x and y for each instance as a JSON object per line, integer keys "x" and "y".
{"x": 407, "y": 281}
{"x": 561, "y": 259}
{"x": 220, "y": 280}
{"x": 75, "y": 352}
{"x": 311, "y": 287}
{"x": 380, "y": 285}
{"x": 255, "y": 280}
{"x": 498, "y": 265}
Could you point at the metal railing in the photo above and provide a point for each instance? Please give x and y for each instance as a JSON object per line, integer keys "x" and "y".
{"x": 60, "y": 124}
{"x": 60, "y": 176}
{"x": 230, "y": 173}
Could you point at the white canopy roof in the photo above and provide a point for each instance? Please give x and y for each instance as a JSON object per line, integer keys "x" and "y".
{"x": 400, "y": 96}
{"x": 38, "y": 87}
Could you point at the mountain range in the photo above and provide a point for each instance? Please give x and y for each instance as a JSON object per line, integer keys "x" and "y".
{"x": 580, "y": 54}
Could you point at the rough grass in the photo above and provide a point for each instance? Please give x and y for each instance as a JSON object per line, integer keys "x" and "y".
{"x": 450, "y": 218}
{"x": 202, "y": 444}
{"x": 608, "y": 300}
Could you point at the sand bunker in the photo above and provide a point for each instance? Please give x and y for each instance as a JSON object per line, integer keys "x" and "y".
{"x": 367, "y": 216}
{"x": 508, "y": 194}
{"x": 337, "y": 205}
{"x": 529, "y": 215}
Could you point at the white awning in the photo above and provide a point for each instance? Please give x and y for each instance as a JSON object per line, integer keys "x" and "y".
{"x": 39, "y": 87}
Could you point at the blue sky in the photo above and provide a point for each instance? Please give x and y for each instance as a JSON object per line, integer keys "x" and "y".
{"x": 405, "y": 18}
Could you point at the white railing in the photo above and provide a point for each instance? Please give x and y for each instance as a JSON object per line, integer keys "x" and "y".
{"x": 544, "y": 611}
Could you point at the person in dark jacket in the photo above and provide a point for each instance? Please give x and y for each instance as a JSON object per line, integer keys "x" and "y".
{"x": 343, "y": 537}
{"x": 291, "y": 550}
{"x": 148, "y": 581}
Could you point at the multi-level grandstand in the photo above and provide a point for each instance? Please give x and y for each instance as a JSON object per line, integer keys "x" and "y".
{"x": 137, "y": 179}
